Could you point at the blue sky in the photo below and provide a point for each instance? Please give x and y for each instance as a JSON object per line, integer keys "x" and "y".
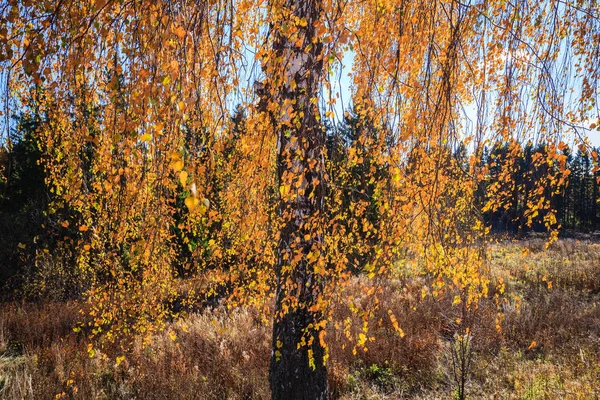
{"x": 341, "y": 91}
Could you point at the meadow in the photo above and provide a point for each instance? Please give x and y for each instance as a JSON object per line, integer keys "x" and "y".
{"x": 541, "y": 342}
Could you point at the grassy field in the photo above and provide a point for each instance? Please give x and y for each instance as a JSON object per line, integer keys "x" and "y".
{"x": 548, "y": 346}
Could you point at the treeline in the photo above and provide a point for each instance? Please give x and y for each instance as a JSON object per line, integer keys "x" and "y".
{"x": 24, "y": 198}
{"x": 27, "y": 228}
{"x": 574, "y": 203}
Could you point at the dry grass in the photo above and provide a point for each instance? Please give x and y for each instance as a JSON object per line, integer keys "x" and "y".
{"x": 214, "y": 355}
{"x": 549, "y": 346}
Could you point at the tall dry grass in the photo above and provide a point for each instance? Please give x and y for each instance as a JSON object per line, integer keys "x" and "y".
{"x": 548, "y": 348}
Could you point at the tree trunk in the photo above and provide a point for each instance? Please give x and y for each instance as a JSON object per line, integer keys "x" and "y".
{"x": 298, "y": 372}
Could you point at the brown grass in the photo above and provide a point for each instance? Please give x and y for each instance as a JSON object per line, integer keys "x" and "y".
{"x": 549, "y": 346}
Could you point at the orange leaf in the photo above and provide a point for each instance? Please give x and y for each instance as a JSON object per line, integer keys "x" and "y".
{"x": 180, "y": 32}
{"x": 322, "y": 338}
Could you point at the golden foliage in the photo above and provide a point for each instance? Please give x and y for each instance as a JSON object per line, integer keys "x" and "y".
{"x": 137, "y": 96}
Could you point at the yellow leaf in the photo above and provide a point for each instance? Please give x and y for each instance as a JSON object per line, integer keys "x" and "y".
{"x": 91, "y": 351}
{"x": 120, "y": 360}
{"x": 283, "y": 190}
{"x": 395, "y": 324}
{"x": 146, "y": 137}
{"x": 22, "y": 246}
{"x": 362, "y": 338}
{"x": 177, "y": 165}
{"x": 400, "y": 331}
{"x": 311, "y": 359}
{"x": 183, "y": 176}
{"x": 172, "y": 335}
{"x": 191, "y": 203}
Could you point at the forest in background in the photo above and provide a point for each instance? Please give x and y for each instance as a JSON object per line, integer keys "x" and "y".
{"x": 24, "y": 195}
